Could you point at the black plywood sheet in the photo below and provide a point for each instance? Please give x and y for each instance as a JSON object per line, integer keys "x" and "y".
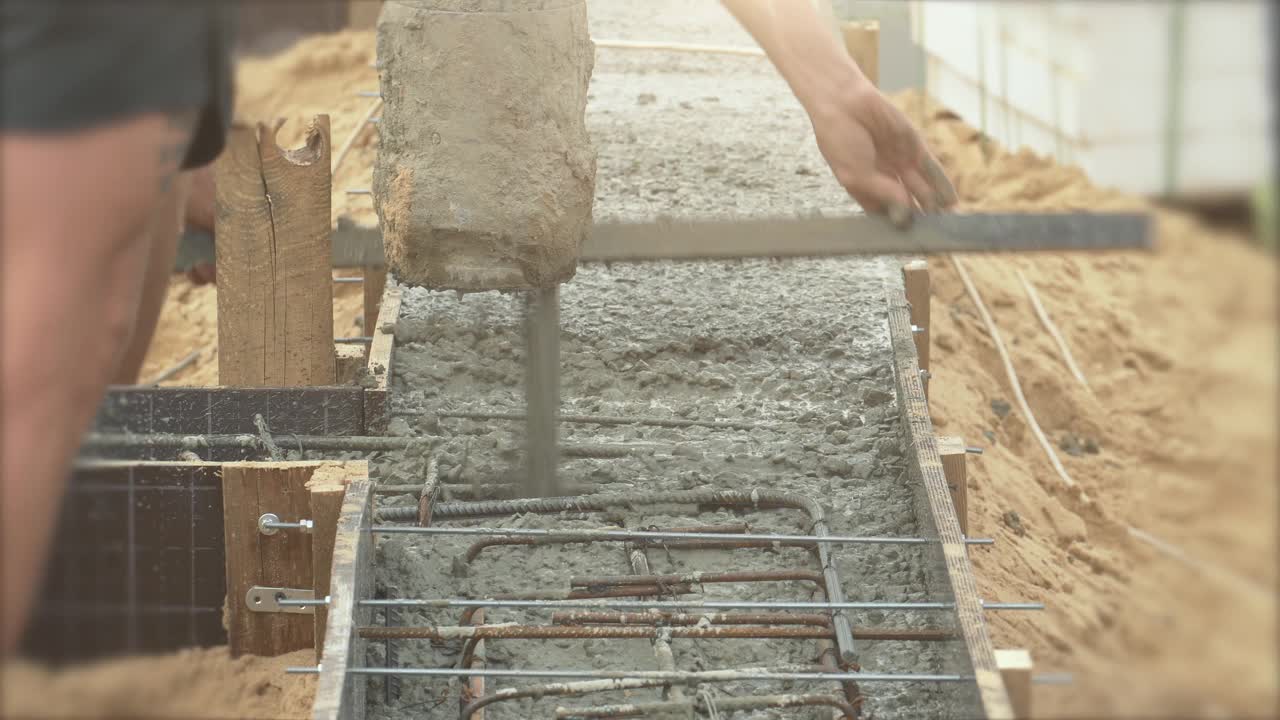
{"x": 138, "y": 564}
{"x": 200, "y": 411}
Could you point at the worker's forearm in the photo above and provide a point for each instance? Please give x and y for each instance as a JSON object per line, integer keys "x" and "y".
{"x": 801, "y": 47}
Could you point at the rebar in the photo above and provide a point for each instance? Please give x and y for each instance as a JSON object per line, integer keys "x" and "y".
{"x": 480, "y": 545}
{"x": 427, "y": 494}
{"x": 730, "y": 704}
{"x": 718, "y": 498}
{"x": 697, "y": 578}
{"x": 595, "y": 617}
{"x": 343, "y": 443}
{"x": 651, "y": 535}
{"x": 558, "y": 690}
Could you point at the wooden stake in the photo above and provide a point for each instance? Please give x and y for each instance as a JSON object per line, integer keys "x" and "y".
{"x": 1015, "y": 669}
{"x": 915, "y": 280}
{"x": 381, "y": 356}
{"x": 951, "y": 449}
{"x": 375, "y": 283}
{"x": 328, "y": 487}
{"x": 862, "y": 40}
{"x": 280, "y": 560}
{"x": 363, "y": 14}
{"x": 275, "y": 297}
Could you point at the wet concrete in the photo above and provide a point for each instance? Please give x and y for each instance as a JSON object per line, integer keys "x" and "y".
{"x": 797, "y": 352}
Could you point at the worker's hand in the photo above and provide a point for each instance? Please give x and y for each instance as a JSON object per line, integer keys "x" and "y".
{"x": 878, "y": 155}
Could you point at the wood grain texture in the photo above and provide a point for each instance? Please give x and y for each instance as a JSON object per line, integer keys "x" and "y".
{"x": 862, "y": 40}
{"x": 328, "y": 488}
{"x": 1015, "y": 669}
{"x": 363, "y": 14}
{"x": 381, "y": 361}
{"x": 951, "y": 450}
{"x": 279, "y": 560}
{"x": 375, "y": 283}
{"x": 340, "y": 696}
{"x": 923, "y": 451}
{"x": 915, "y": 279}
{"x": 275, "y": 298}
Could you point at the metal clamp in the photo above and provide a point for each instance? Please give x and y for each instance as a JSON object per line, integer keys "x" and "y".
{"x": 283, "y": 600}
{"x": 269, "y": 524}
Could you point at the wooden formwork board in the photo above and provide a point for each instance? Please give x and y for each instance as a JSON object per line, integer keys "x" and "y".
{"x": 937, "y": 515}
{"x": 336, "y": 411}
{"x": 340, "y": 695}
{"x": 139, "y": 560}
{"x": 377, "y": 398}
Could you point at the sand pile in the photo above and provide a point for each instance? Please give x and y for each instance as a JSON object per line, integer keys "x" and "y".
{"x": 204, "y": 684}
{"x": 1175, "y": 434}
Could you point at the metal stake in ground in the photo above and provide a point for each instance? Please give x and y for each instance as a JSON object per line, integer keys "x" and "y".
{"x": 542, "y": 391}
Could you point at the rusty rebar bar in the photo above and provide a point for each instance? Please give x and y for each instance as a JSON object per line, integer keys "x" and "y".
{"x": 427, "y": 496}
{"x": 651, "y": 536}
{"x": 644, "y": 632}
{"x": 480, "y": 545}
{"x": 728, "y": 704}
{"x": 556, "y": 690}
{"x": 752, "y": 499}
{"x": 587, "y": 617}
{"x": 698, "y": 578}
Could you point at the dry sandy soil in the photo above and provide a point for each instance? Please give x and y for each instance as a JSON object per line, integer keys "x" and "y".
{"x": 187, "y": 684}
{"x": 1175, "y": 434}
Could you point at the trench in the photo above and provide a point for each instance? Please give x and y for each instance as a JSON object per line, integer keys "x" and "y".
{"x": 795, "y": 353}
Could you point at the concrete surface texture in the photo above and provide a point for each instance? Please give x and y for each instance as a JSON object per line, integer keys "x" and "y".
{"x": 799, "y": 349}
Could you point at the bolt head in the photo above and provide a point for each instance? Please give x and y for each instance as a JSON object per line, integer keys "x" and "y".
{"x": 265, "y": 520}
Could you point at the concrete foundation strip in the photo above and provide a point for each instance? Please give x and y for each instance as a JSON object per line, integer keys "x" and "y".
{"x": 682, "y": 677}
{"x": 966, "y": 605}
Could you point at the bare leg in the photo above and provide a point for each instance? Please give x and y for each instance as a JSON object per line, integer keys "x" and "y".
{"x": 73, "y": 208}
{"x": 162, "y": 235}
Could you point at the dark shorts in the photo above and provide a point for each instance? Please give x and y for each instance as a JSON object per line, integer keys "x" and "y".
{"x": 70, "y": 65}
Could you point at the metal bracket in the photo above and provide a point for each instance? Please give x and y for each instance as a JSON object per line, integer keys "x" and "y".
{"x": 267, "y": 599}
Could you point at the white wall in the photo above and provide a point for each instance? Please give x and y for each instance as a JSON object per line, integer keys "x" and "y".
{"x": 1093, "y": 83}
